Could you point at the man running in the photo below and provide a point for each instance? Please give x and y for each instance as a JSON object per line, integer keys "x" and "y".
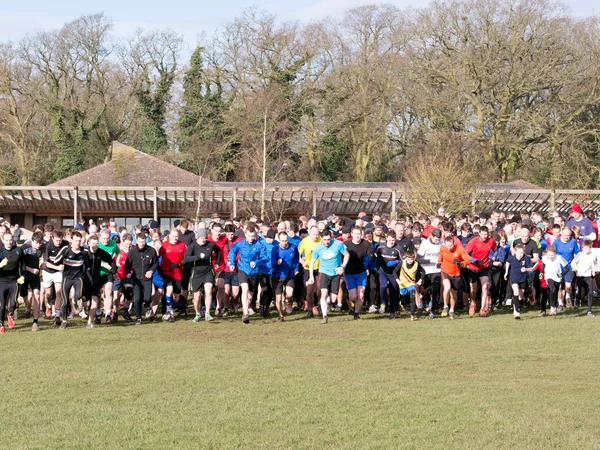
{"x": 52, "y": 270}
{"x": 73, "y": 273}
{"x": 95, "y": 260}
{"x": 284, "y": 260}
{"x": 568, "y": 248}
{"x": 333, "y": 258}
{"x": 451, "y": 260}
{"x": 172, "y": 253}
{"x": 479, "y": 249}
{"x": 10, "y": 262}
{"x": 305, "y": 249}
{"x": 227, "y": 279}
{"x": 32, "y": 254}
{"x": 202, "y": 255}
{"x": 123, "y": 286}
{"x": 141, "y": 263}
{"x": 112, "y": 248}
{"x": 388, "y": 257}
{"x": 251, "y": 253}
{"x": 357, "y": 270}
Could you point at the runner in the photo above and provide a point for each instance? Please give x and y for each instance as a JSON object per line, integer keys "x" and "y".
{"x": 429, "y": 253}
{"x": 172, "y": 253}
{"x": 11, "y": 261}
{"x": 202, "y": 256}
{"x": 388, "y": 257}
{"x": 451, "y": 260}
{"x": 220, "y": 240}
{"x": 52, "y": 271}
{"x": 567, "y": 247}
{"x": 518, "y": 268}
{"x": 333, "y": 258}
{"x": 284, "y": 260}
{"x": 264, "y": 296}
{"x": 141, "y": 263}
{"x": 479, "y": 250}
{"x": 110, "y": 247}
{"x": 73, "y": 273}
{"x": 251, "y": 253}
{"x": 123, "y": 286}
{"x": 357, "y": 270}
{"x": 555, "y": 268}
{"x": 305, "y": 250}
{"x": 32, "y": 254}
{"x": 227, "y": 279}
{"x": 95, "y": 260}
{"x": 186, "y": 236}
{"x": 409, "y": 276}
{"x": 585, "y": 265}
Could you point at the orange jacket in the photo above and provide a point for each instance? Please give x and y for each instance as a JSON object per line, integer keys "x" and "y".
{"x": 447, "y": 257}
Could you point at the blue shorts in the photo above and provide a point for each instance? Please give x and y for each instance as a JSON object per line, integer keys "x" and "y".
{"x": 356, "y": 280}
{"x": 569, "y": 276}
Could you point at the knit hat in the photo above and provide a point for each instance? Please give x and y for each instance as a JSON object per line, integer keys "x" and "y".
{"x": 576, "y": 208}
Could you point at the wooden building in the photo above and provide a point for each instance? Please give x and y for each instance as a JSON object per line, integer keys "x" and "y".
{"x": 134, "y": 187}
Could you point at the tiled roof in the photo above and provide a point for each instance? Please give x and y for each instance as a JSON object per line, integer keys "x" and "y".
{"x": 130, "y": 167}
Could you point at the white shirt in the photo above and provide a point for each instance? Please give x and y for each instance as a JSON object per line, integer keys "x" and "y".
{"x": 585, "y": 264}
{"x": 428, "y": 255}
{"x": 553, "y": 268}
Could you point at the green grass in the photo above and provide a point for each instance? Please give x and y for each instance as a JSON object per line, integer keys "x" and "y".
{"x": 371, "y": 384}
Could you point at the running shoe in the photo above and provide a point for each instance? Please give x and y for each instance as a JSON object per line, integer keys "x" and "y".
{"x": 445, "y": 311}
{"x": 413, "y": 318}
{"x": 90, "y": 325}
{"x": 280, "y": 319}
{"x": 315, "y": 311}
{"x": 10, "y": 320}
{"x": 71, "y": 316}
{"x": 226, "y": 312}
{"x": 63, "y": 325}
{"x": 289, "y": 309}
{"x": 508, "y": 302}
{"x": 219, "y": 312}
{"x": 432, "y": 315}
{"x": 48, "y": 313}
{"x": 309, "y": 315}
{"x": 392, "y": 316}
{"x": 83, "y": 315}
{"x": 324, "y": 320}
{"x": 2, "y": 330}
{"x": 197, "y": 318}
{"x": 294, "y": 306}
{"x": 57, "y": 321}
{"x": 561, "y": 308}
{"x": 372, "y": 309}
{"x": 165, "y": 317}
{"x": 472, "y": 308}
{"x": 590, "y": 314}
{"x": 172, "y": 317}
{"x": 356, "y": 316}
{"x": 517, "y": 315}
{"x": 382, "y": 309}
{"x": 127, "y": 316}
{"x": 251, "y": 312}
{"x": 108, "y": 320}
{"x": 34, "y": 327}
{"x": 98, "y": 320}
{"x": 482, "y": 313}
{"x": 419, "y": 309}
{"x": 138, "y": 322}
{"x": 542, "y": 314}
{"x": 208, "y": 317}
{"x": 28, "y": 314}
{"x": 452, "y": 315}
{"x": 552, "y": 311}
{"x": 245, "y": 319}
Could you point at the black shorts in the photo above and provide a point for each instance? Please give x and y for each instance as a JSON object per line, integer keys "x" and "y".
{"x": 250, "y": 280}
{"x": 307, "y": 275}
{"x": 177, "y": 284}
{"x": 199, "y": 280}
{"x": 522, "y": 284}
{"x": 33, "y": 282}
{"x": 281, "y": 283}
{"x": 230, "y": 278}
{"x": 331, "y": 283}
{"x": 475, "y": 275}
{"x": 455, "y": 282}
{"x": 96, "y": 287}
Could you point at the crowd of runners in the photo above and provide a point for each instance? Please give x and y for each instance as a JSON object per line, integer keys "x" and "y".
{"x": 427, "y": 266}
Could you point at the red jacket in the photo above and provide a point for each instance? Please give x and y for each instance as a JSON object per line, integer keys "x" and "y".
{"x": 172, "y": 254}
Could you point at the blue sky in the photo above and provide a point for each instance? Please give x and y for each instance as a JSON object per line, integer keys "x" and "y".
{"x": 188, "y": 17}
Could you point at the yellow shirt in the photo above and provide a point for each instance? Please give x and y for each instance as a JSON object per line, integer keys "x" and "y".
{"x": 307, "y": 245}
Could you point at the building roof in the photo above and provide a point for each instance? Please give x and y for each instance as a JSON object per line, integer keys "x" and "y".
{"x": 130, "y": 167}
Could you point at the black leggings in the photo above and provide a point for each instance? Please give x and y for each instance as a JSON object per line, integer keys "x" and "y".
{"x": 8, "y": 293}
{"x": 586, "y": 289}
{"x": 553, "y": 290}
{"x": 372, "y": 291}
{"x": 68, "y": 283}
{"x": 412, "y": 298}
{"x": 142, "y": 293}
{"x": 385, "y": 280}
{"x": 266, "y": 286}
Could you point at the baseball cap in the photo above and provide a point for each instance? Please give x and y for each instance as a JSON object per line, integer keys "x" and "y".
{"x": 270, "y": 234}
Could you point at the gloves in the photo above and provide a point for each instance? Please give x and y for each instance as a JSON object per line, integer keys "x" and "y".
{"x": 175, "y": 265}
{"x": 438, "y": 266}
{"x": 458, "y": 262}
{"x": 21, "y": 280}
{"x": 4, "y": 262}
{"x": 392, "y": 263}
{"x": 478, "y": 262}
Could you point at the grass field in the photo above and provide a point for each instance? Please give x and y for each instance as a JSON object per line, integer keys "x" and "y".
{"x": 371, "y": 384}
